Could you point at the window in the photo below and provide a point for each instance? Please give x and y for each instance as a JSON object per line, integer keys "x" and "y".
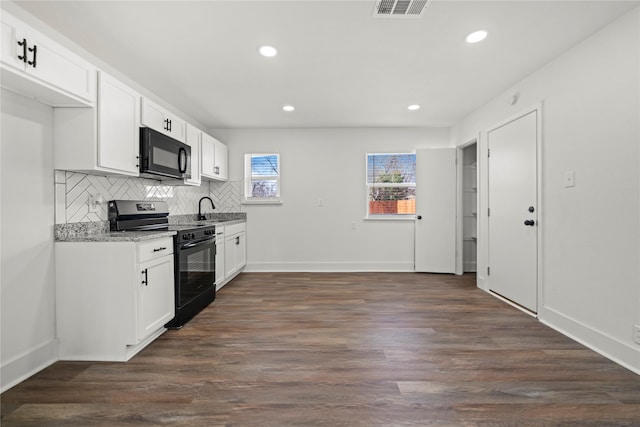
{"x": 391, "y": 185}
{"x": 262, "y": 177}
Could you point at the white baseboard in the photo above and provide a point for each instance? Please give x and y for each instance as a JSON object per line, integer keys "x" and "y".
{"x": 22, "y": 367}
{"x": 312, "y": 267}
{"x": 623, "y": 354}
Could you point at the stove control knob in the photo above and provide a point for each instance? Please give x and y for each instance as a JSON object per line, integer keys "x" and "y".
{"x": 185, "y": 237}
{"x": 193, "y": 236}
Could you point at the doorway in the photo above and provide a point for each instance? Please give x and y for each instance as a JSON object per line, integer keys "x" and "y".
{"x": 513, "y": 209}
{"x": 435, "y": 224}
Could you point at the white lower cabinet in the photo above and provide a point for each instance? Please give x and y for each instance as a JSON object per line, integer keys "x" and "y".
{"x": 235, "y": 249}
{"x": 231, "y": 252}
{"x": 112, "y": 298}
{"x": 220, "y": 282}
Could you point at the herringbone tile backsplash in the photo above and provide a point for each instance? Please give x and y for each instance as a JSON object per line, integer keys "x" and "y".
{"x": 73, "y": 190}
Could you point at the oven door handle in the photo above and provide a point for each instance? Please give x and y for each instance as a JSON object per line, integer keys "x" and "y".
{"x": 198, "y": 243}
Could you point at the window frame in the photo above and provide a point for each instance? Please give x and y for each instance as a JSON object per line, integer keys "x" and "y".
{"x": 248, "y": 179}
{"x": 387, "y": 217}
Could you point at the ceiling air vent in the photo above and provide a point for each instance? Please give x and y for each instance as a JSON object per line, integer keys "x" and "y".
{"x": 399, "y": 8}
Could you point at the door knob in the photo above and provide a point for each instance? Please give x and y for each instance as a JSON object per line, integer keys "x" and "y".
{"x": 529, "y": 222}
{"x": 532, "y": 209}
{"x": 419, "y": 217}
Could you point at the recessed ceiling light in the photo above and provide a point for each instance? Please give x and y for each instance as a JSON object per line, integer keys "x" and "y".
{"x": 476, "y": 36}
{"x": 268, "y": 51}
{"x": 413, "y": 107}
{"x": 288, "y": 108}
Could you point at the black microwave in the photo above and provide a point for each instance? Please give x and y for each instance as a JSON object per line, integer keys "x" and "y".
{"x": 161, "y": 155}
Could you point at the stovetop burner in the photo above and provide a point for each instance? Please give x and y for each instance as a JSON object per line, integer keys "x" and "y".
{"x": 131, "y": 215}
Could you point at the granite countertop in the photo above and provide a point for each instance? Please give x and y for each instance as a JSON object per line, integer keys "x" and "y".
{"x": 98, "y": 231}
{"x": 116, "y": 236}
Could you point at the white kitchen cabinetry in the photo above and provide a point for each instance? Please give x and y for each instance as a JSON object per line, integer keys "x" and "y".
{"x": 194, "y": 140}
{"x": 104, "y": 139}
{"x": 221, "y": 167}
{"x": 220, "y": 267}
{"x": 214, "y": 158}
{"x": 157, "y": 118}
{"x": 235, "y": 249}
{"x": 34, "y": 65}
{"x": 112, "y": 298}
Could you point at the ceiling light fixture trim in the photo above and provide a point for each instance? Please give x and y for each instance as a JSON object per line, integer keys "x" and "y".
{"x": 476, "y": 36}
{"x": 268, "y": 51}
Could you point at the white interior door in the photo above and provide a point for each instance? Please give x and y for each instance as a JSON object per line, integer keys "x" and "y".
{"x": 513, "y": 241}
{"x": 435, "y": 230}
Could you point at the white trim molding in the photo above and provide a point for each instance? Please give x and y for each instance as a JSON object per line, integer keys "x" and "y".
{"x": 609, "y": 347}
{"x": 27, "y": 364}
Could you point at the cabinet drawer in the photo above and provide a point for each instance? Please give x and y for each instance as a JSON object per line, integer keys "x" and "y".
{"x": 230, "y": 230}
{"x": 154, "y": 249}
{"x": 220, "y": 232}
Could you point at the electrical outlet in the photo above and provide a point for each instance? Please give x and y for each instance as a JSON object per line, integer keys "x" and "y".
{"x": 569, "y": 179}
{"x": 353, "y": 225}
{"x": 636, "y": 334}
{"x": 93, "y": 202}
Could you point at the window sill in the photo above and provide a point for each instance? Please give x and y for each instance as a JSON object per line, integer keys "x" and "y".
{"x": 261, "y": 202}
{"x": 390, "y": 218}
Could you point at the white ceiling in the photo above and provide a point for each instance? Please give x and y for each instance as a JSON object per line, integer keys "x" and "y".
{"x": 337, "y": 64}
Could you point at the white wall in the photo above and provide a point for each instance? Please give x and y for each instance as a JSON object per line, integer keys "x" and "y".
{"x": 327, "y": 164}
{"x": 590, "y": 233}
{"x": 27, "y": 273}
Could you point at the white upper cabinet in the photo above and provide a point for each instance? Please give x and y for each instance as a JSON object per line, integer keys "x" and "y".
{"x": 193, "y": 140}
{"x": 118, "y": 126}
{"x": 105, "y": 139}
{"x": 36, "y": 66}
{"x": 157, "y": 118}
{"x": 214, "y": 158}
{"x": 221, "y": 161}
{"x": 208, "y": 156}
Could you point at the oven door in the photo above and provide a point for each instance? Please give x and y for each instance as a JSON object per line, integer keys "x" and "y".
{"x": 195, "y": 270}
{"x": 163, "y": 155}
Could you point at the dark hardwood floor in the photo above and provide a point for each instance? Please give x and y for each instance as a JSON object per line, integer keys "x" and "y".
{"x": 360, "y": 349}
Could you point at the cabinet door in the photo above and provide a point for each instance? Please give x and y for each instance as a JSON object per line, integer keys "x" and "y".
{"x": 229, "y": 256}
{"x": 208, "y": 156}
{"x": 47, "y": 62}
{"x": 221, "y": 162}
{"x": 177, "y": 127}
{"x": 220, "y": 258}
{"x": 156, "y": 297}
{"x": 157, "y": 118}
{"x": 152, "y": 115}
{"x": 55, "y": 65}
{"x": 193, "y": 140}
{"x": 235, "y": 253}
{"x": 241, "y": 250}
{"x": 118, "y": 126}
{"x": 9, "y": 48}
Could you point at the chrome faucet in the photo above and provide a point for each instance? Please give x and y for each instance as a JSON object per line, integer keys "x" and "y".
{"x": 201, "y": 216}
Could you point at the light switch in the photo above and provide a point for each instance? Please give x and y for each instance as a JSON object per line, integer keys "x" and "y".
{"x": 569, "y": 179}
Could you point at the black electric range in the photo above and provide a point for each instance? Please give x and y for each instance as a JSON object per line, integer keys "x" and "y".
{"x": 194, "y": 253}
